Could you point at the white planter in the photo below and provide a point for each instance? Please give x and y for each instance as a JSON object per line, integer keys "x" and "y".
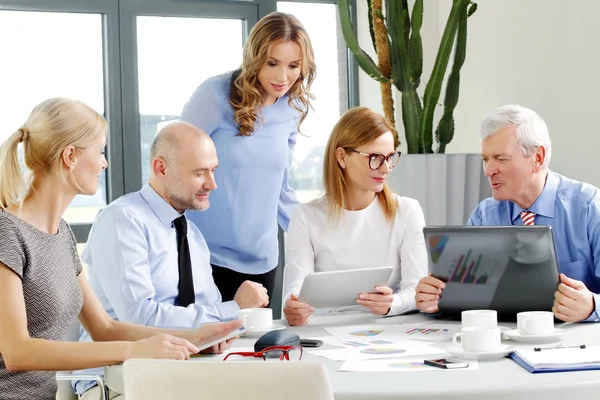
{"x": 448, "y": 186}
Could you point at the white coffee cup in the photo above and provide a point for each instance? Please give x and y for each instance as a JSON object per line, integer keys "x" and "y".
{"x": 479, "y": 319}
{"x": 475, "y": 340}
{"x": 257, "y": 318}
{"x": 535, "y": 322}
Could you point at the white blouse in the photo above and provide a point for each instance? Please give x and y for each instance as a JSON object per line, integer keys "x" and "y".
{"x": 361, "y": 239}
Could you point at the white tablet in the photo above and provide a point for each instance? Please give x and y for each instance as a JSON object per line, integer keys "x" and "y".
{"x": 237, "y": 332}
{"x": 341, "y": 288}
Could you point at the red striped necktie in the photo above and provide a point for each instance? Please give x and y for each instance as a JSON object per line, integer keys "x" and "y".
{"x": 528, "y": 218}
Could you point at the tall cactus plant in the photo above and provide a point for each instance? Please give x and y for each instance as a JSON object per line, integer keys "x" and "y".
{"x": 396, "y": 35}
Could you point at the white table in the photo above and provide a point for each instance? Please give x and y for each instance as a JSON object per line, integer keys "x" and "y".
{"x": 493, "y": 380}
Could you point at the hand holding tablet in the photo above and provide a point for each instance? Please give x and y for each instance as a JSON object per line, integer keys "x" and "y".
{"x": 343, "y": 288}
{"x": 380, "y": 302}
{"x": 212, "y": 334}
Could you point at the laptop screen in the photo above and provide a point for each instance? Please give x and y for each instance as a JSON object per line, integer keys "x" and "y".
{"x": 506, "y": 268}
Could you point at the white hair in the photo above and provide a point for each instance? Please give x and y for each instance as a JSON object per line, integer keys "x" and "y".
{"x": 530, "y": 128}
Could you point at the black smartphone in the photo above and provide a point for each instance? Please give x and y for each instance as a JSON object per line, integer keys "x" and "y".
{"x": 310, "y": 342}
{"x": 447, "y": 363}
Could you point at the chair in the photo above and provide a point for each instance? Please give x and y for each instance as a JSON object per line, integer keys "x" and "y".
{"x": 225, "y": 380}
{"x": 64, "y": 378}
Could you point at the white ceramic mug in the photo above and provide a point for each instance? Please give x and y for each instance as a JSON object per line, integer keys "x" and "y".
{"x": 257, "y": 318}
{"x": 479, "y": 319}
{"x": 474, "y": 340}
{"x": 535, "y": 323}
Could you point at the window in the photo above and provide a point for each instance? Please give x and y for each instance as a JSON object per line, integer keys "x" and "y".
{"x": 138, "y": 62}
{"x": 175, "y": 55}
{"x": 330, "y": 90}
{"x": 44, "y": 59}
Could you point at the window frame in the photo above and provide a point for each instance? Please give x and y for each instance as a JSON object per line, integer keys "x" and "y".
{"x": 121, "y": 103}
{"x": 109, "y": 11}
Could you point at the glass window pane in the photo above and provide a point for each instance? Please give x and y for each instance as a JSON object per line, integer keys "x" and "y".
{"x": 51, "y": 55}
{"x": 330, "y": 90}
{"x": 175, "y": 55}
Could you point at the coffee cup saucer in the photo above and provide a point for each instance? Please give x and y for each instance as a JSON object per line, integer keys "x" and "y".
{"x": 555, "y": 336}
{"x": 256, "y": 333}
{"x": 460, "y": 353}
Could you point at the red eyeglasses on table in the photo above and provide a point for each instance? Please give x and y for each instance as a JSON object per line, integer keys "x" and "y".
{"x": 273, "y": 353}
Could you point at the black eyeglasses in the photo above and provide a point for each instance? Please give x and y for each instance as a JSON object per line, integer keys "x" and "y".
{"x": 376, "y": 160}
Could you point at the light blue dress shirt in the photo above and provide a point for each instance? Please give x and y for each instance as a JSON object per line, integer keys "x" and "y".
{"x": 132, "y": 261}
{"x": 572, "y": 209}
{"x": 240, "y": 226}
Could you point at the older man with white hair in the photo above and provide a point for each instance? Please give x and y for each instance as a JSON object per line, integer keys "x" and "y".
{"x": 515, "y": 151}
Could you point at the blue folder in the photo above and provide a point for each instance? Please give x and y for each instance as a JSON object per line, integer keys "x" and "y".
{"x": 559, "y": 368}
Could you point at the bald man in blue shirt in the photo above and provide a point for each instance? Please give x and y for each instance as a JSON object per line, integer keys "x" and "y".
{"x": 516, "y": 151}
{"x": 133, "y": 250}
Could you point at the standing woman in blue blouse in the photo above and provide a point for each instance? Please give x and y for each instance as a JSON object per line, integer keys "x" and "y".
{"x": 253, "y": 115}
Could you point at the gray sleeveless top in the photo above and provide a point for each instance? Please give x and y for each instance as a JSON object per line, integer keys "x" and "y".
{"x": 48, "y": 266}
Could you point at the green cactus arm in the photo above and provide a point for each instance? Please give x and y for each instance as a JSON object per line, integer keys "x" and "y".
{"x": 394, "y": 15}
{"x": 472, "y": 9}
{"x": 415, "y": 46}
{"x": 445, "y": 129}
{"x": 411, "y": 104}
{"x": 371, "y": 31}
{"x": 434, "y": 86}
{"x": 405, "y": 17}
{"x": 365, "y": 62}
{"x": 411, "y": 111}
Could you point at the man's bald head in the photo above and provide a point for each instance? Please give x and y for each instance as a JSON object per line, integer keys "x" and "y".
{"x": 183, "y": 164}
{"x": 173, "y": 137}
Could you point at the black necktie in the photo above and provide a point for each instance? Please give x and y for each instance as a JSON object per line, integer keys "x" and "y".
{"x": 186, "y": 280}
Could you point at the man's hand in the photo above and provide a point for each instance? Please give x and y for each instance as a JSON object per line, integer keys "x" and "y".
{"x": 251, "y": 295}
{"x": 573, "y": 302}
{"x": 378, "y": 303}
{"x": 296, "y": 312}
{"x": 427, "y": 294}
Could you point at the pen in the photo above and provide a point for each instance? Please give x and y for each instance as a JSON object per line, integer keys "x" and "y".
{"x": 580, "y": 346}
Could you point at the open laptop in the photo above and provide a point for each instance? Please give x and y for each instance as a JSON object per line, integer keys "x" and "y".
{"x": 504, "y": 268}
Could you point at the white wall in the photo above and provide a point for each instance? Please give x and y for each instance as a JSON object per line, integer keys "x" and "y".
{"x": 543, "y": 54}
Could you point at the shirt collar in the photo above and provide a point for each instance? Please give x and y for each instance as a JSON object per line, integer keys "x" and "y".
{"x": 163, "y": 210}
{"x": 544, "y": 205}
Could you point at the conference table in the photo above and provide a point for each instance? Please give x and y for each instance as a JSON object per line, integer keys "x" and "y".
{"x": 501, "y": 379}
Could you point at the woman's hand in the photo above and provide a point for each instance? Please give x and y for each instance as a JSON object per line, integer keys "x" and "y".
{"x": 162, "y": 346}
{"x": 296, "y": 312}
{"x": 379, "y": 303}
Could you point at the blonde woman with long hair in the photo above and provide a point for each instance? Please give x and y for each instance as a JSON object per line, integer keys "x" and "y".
{"x": 253, "y": 115}
{"x": 42, "y": 289}
{"x": 359, "y": 223}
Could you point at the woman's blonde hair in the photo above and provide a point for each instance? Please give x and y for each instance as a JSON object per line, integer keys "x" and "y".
{"x": 246, "y": 93}
{"x": 355, "y": 128}
{"x": 52, "y": 126}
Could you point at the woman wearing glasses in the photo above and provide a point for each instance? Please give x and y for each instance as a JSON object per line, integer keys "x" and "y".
{"x": 253, "y": 116}
{"x": 359, "y": 223}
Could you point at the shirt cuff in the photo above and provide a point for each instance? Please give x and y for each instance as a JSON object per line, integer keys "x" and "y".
{"x": 229, "y": 310}
{"x": 401, "y": 305}
{"x": 594, "y": 317}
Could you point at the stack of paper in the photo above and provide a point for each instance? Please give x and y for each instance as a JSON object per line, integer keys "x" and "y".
{"x": 558, "y": 359}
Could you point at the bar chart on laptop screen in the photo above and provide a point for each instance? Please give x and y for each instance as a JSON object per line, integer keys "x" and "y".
{"x": 466, "y": 268}
{"x": 464, "y": 264}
